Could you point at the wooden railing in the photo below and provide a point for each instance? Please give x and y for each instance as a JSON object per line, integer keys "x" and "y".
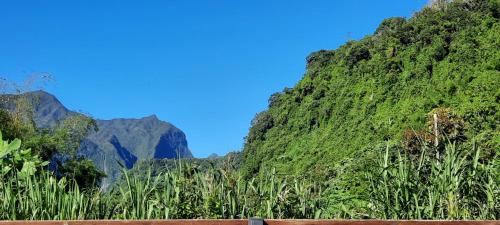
{"x": 249, "y": 222}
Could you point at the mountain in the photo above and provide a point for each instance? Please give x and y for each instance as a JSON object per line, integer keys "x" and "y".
{"x": 117, "y": 141}
{"x": 366, "y": 92}
{"x": 48, "y": 109}
{"x": 213, "y": 156}
{"x": 130, "y": 140}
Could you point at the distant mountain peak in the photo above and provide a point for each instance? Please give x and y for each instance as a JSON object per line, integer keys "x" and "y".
{"x": 123, "y": 140}
{"x": 151, "y": 117}
{"x": 213, "y": 156}
{"x": 43, "y": 94}
{"x": 40, "y": 91}
{"x": 49, "y": 111}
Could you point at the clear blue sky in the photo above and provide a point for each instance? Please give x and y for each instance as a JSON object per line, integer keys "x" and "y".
{"x": 206, "y": 66}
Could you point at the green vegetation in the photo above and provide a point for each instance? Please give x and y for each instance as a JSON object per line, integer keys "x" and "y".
{"x": 436, "y": 173}
{"x": 181, "y": 193}
{"x": 443, "y": 182}
{"x": 455, "y": 185}
{"x": 355, "y": 98}
{"x": 399, "y": 125}
{"x": 231, "y": 160}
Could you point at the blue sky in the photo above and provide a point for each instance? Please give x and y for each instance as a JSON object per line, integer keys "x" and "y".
{"x": 206, "y": 66}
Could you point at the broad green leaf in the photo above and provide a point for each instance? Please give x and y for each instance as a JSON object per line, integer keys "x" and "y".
{"x": 14, "y": 145}
{"x": 28, "y": 169}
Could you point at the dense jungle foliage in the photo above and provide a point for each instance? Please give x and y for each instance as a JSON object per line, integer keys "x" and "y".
{"x": 370, "y": 91}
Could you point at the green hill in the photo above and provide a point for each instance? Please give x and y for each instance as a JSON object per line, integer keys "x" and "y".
{"x": 371, "y": 90}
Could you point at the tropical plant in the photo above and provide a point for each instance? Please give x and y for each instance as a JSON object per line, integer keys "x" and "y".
{"x": 16, "y": 161}
{"x": 455, "y": 185}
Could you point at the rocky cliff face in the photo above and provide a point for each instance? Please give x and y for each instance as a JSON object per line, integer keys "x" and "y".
{"x": 129, "y": 140}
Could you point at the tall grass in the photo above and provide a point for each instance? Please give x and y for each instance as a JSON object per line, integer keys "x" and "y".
{"x": 433, "y": 185}
{"x": 181, "y": 193}
{"x": 41, "y": 198}
{"x": 219, "y": 194}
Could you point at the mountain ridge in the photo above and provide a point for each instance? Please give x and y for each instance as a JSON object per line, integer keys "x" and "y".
{"x": 116, "y": 141}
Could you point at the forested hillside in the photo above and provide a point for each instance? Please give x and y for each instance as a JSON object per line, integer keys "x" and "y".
{"x": 369, "y": 91}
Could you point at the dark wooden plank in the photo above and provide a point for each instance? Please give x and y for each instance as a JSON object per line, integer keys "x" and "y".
{"x": 490, "y": 222}
{"x": 329, "y": 222}
{"x": 376, "y": 222}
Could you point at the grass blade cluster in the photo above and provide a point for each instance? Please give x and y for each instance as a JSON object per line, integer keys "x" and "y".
{"x": 455, "y": 184}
